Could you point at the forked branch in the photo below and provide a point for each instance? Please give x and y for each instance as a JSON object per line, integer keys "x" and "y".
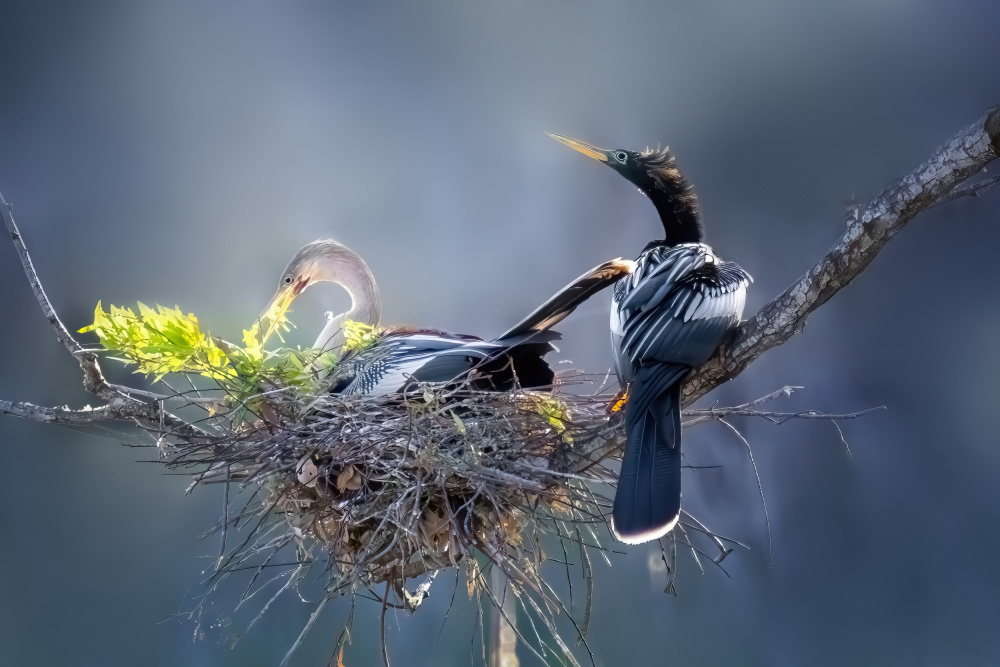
{"x": 119, "y": 405}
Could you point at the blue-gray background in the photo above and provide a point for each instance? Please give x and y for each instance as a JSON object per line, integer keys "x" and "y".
{"x": 180, "y": 153}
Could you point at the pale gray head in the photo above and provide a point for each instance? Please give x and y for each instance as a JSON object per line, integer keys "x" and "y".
{"x": 327, "y": 261}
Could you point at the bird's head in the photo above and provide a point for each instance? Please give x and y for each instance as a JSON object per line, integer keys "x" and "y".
{"x": 655, "y": 173}
{"x": 320, "y": 261}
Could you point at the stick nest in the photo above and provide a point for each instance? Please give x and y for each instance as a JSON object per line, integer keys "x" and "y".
{"x": 382, "y": 490}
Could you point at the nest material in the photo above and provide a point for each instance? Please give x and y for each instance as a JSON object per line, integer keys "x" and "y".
{"x": 385, "y": 492}
{"x": 382, "y": 490}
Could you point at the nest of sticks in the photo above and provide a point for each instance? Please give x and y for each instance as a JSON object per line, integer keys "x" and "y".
{"x": 378, "y": 494}
{"x": 381, "y": 493}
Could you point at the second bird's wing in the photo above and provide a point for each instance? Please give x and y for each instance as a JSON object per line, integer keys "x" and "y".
{"x": 565, "y": 301}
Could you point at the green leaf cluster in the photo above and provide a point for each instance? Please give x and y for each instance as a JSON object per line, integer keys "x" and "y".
{"x": 557, "y": 412}
{"x": 164, "y": 340}
{"x": 359, "y": 336}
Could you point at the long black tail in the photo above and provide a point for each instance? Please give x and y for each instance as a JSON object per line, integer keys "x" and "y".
{"x": 565, "y": 301}
{"x": 648, "y": 500}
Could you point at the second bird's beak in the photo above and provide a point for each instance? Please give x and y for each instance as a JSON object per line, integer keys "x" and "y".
{"x": 588, "y": 150}
{"x": 274, "y": 314}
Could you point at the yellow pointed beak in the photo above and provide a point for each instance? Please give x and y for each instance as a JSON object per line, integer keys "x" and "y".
{"x": 586, "y": 149}
{"x": 274, "y": 315}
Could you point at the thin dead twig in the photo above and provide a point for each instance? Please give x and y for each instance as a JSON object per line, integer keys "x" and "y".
{"x": 712, "y": 414}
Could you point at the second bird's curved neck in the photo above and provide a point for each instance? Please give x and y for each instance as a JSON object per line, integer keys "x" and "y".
{"x": 366, "y": 304}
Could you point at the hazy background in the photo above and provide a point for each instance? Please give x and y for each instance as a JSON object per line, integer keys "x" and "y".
{"x": 180, "y": 153}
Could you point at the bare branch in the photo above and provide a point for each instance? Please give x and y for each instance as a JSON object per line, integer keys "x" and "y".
{"x": 120, "y": 405}
{"x": 143, "y": 414}
{"x": 965, "y": 154}
{"x": 62, "y": 333}
{"x": 40, "y": 413}
{"x": 93, "y": 379}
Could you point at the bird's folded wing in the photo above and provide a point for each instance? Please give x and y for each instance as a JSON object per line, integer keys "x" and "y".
{"x": 691, "y": 317}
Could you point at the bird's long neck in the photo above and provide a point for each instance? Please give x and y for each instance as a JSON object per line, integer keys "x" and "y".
{"x": 366, "y": 305}
{"x": 673, "y": 197}
{"x": 678, "y": 226}
{"x": 678, "y": 209}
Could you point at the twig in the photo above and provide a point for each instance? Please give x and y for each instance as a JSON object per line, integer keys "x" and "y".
{"x": 773, "y": 417}
{"x": 305, "y": 631}
{"x": 974, "y": 190}
{"x": 48, "y": 415}
{"x": 385, "y": 602}
{"x": 760, "y": 488}
{"x": 703, "y": 415}
{"x": 93, "y": 379}
{"x": 62, "y": 334}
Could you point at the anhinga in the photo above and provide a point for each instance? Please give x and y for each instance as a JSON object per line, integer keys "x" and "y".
{"x": 404, "y": 356}
{"x": 667, "y": 318}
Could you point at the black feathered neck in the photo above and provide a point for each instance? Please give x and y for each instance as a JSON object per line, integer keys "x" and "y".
{"x": 671, "y": 194}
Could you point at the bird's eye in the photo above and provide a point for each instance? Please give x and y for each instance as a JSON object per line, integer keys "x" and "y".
{"x": 287, "y": 280}
{"x": 621, "y": 156}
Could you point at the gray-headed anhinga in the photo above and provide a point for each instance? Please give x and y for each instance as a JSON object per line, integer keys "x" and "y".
{"x": 404, "y": 356}
{"x": 667, "y": 318}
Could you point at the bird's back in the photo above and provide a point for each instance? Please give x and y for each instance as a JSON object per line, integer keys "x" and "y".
{"x": 675, "y": 307}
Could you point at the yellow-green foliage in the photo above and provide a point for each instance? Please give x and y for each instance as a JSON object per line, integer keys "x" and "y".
{"x": 163, "y": 341}
{"x": 358, "y": 336}
{"x": 557, "y": 413}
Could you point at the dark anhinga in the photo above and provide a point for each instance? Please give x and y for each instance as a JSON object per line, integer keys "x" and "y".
{"x": 667, "y": 318}
{"x": 403, "y": 356}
